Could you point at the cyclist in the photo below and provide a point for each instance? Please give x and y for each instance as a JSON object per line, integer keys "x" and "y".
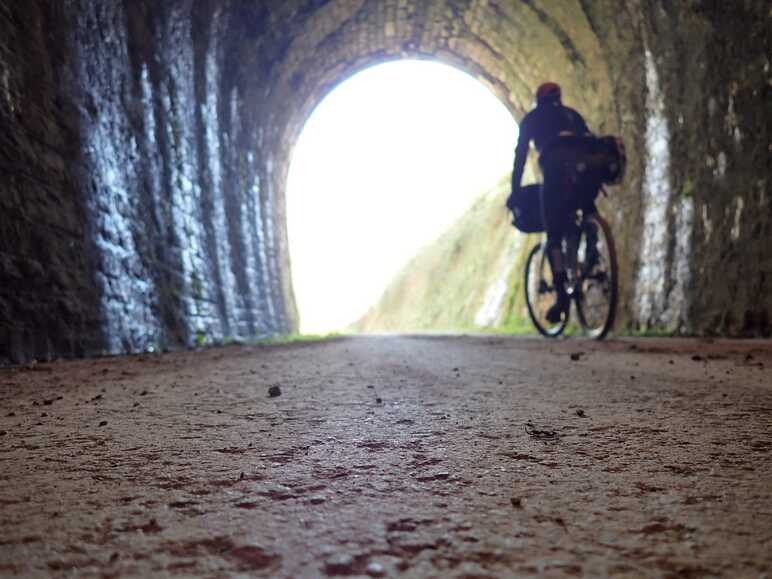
{"x": 560, "y": 136}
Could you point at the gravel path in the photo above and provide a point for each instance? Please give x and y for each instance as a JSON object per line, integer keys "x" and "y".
{"x": 412, "y": 456}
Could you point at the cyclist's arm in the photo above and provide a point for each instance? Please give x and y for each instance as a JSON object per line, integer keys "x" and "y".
{"x": 521, "y": 154}
{"x": 581, "y": 125}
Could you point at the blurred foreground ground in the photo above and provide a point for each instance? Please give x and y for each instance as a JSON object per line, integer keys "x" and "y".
{"x": 393, "y": 456}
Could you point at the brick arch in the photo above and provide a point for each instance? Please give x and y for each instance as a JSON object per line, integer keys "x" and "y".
{"x": 510, "y": 47}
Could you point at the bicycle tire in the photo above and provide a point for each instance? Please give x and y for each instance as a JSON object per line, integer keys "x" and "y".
{"x": 597, "y": 283}
{"x": 539, "y": 295}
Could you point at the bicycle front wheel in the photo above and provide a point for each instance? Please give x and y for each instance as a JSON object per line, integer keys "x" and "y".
{"x": 596, "y": 299}
{"x": 540, "y": 293}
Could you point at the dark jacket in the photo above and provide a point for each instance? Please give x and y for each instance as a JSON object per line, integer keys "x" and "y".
{"x": 542, "y": 125}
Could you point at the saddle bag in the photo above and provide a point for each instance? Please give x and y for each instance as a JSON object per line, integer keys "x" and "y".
{"x": 606, "y": 160}
{"x": 593, "y": 160}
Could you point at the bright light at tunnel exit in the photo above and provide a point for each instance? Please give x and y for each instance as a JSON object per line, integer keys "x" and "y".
{"x": 385, "y": 164}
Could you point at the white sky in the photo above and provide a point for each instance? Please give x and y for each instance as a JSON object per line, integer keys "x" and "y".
{"x": 387, "y": 161}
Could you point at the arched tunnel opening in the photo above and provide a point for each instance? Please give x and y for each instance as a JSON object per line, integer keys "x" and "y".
{"x": 145, "y": 151}
{"x": 386, "y": 163}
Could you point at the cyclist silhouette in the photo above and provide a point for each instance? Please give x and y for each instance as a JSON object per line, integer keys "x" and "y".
{"x": 560, "y": 135}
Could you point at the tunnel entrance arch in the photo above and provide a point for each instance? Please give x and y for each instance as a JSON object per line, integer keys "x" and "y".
{"x": 502, "y": 46}
{"x": 386, "y": 162}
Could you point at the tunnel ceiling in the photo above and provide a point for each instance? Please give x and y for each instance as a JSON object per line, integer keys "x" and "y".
{"x": 503, "y": 44}
{"x": 146, "y": 149}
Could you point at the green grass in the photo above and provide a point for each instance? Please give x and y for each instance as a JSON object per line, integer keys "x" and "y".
{"x": 518, "y": 327}
{"x": 445, "y": 284}
{"x": 295, "y": 339}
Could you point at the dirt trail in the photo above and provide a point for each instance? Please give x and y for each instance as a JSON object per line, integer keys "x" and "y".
{"x": 393, "y": 456}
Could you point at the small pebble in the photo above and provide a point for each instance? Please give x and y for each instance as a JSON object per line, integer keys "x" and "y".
{"x": 376, "y": 570}
{"x": 378, "y": 400}
{"x": 274, "y": 391}
{"x": 576, "y": 356}
{"x": 103, "y": 423}
{"x": 580, "y": 412}
{"x": 517, "y": 502}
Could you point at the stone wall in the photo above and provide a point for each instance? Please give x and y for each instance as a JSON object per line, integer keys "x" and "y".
{"x": 134, "y": 212}
{"x": 145, "y": 149}
{"x": 49, "y": 302}
{"x": 711, "y": 62}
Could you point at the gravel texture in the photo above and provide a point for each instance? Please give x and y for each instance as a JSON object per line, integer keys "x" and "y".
{"x": 413, "y": 456}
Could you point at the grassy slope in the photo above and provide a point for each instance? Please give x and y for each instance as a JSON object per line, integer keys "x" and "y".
{"x": 445, "y": 285}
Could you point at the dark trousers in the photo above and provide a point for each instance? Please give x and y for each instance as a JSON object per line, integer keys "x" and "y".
{"x": 569, "y": 184}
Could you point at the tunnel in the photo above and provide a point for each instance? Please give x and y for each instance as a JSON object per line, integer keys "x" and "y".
{"x": 146, "y": 148}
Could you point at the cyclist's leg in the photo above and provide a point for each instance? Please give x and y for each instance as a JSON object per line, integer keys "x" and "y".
{"x": 589, "y": 196}
{"x": 556, "y": 220}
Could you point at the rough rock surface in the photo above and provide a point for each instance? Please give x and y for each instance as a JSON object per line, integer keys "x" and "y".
{"x": 393, "y": 456}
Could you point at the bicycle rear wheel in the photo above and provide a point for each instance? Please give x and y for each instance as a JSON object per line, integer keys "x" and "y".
{"x": 540, "y": 293}
{"x": 597, "y": 287}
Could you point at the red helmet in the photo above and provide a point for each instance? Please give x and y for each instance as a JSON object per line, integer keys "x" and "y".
{"x": 549, "y": 91}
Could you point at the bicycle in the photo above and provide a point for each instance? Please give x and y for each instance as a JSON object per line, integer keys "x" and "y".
{"x": 592, "y": 284}
{"x": 588, "y": 251}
